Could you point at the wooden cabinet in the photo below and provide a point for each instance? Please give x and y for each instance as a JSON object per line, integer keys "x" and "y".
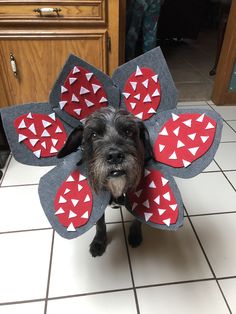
{"x": 41, "y": 41}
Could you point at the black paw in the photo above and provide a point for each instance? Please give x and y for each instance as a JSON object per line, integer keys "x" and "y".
{"x": 135, "y": 239}
{"x": 97, "y": 247}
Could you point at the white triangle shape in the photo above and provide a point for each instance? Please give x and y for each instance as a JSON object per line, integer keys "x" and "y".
{"x": 167, "y": 222}
{"x": 133, "y": 105}
{"x": 146, "y": 204}
{"x": 151, "y": 110}
{"x": 88, "y": 76}
{"x": 134, "y": 206}
{"x": 155, "y": 78}
{"x": 43, "y": 144}
{"x": 62, "y": 200}
{"x": 157, "y": 200}
{"x": 173, "y": 156}
{"x": 54, "y": 141}
{"x": 62, "y": 104}
{"x": 45, "y": 134}
{"x": 180, "y": 144}
{"x": 145, "y": 83}
{"x": 137, "y": 96}
{"x": 176, "y": 131}
{"x": 85, "y": 215}
{"x": 175, "y": 116}
{"x": 192, "y": 136}
{"x": 186, "y": 163}
{"x": 80, "y": 187}
{"x": 173, "y": 207}
{"x": 72, "y": 214}
{"x": 52, "y": 116}
{"x": 70, "y": 179}
{"x": 66, "y": 191}
{"x": 37, "y": 153}
{"x": 46, "y": 123}
{"x": 71, "y": 227}
{"x": 156, "y": 93}
{"x": 134, "y": 85}
{"x": 164, "y": 181}
{"x": 63, "y": 89}
{"x": 74, "y": 201}
{"x": 126, "y": 95}
{"x": 95, "y": 88}
{"x": 167, "y": 196}
{"x": 77, "y": 111}
{"x": 103, "y": 99}
{"x": 146, "y": 172}
{"x": 147, "y": 216}
{"x": 188, "y": 123}
{"x": 147, "y": 98}
{"x": 21, "y": 138}
{"x": 164, "y": 132}
{"x": 139, "y": 115}
{"x": 74, "y": 98}
{"x": 204, "y": 138}
{"x": 33, "y": 141}
{"x": 87, "y": 199}
{"x": 152, "y": 185}
{"x": 83, "y": 91}
{"x": 60, "y": 211}
{"x": 138, "y": 193}
{"x": 161, "y": 211}
{"x": 81, "y": 177}
{"x": 32, "y": 128}
{"x": 161, "y": 147}
{"x": 58, "y": 130}
{"x": 53, "y": 150}
{"x": 75, "y": 70}
{"x": 193, "y": 150}
{"x": 200, "y": 119}
{"x": 89, "y": 103}
{"x": 72, "y": 80}
{"x": 209, "y": 126}
{"x": 29, "y": 115}
{"x": 138, "y": 71}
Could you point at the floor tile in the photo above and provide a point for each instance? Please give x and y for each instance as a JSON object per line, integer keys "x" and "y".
{"x": 212, "y": 167}
{"x": 191, "y": 298}
{"x": 232, "y": 123}
{"x": 75, "y": 271}
{"x": 228, "y": 135}
{"x": 227, "y": 112}
{"x": 217, "y": 234}
{"x": 25, "y": 174}
{"x": 21, "y": 209}
{"x": 107, "y": 303}
{"x": 207, "y": 193}
{"x": 193, "y": 103}
{"x": 231, "y": 175}
{"x": 23, "y": 308}
{"x": 229, "y": 289}
{"x": 194, "y": 91}
{"x": 24, "y": 265}
{"x": 225, "y": 156}
{"x": 3, "y": 170}
{"x": 166, "y": 256}
{"x": 112, "y": 214}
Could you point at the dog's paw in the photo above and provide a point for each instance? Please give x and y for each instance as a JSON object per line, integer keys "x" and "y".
{"x": 135, "y": 239}
{"x": 97, "y": 247}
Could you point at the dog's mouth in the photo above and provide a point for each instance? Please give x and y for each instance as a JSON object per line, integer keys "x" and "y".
{"x": 116, "y": 173}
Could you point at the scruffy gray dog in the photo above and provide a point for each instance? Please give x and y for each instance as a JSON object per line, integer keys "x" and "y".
{"x": 115, "y": 146}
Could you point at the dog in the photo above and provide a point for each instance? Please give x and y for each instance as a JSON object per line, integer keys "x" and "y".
{"x": 115, "y": 145}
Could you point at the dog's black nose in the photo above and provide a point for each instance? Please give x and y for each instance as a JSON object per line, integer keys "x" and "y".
{"x": 115, "y": 157}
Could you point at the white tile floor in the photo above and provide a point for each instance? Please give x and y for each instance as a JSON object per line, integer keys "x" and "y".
{"x": 189, "y": 271}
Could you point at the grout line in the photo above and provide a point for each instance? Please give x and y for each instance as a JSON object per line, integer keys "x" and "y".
{"x": 212, "y": 214}
{"x": 222, "y": 171}
{"x": 21, "y": 302}
{"x": 25, "y": 230}
{"x": 6, "y": 167}
{"x": 19, "y": 185}
{"x": 130, "y": 265}
{"x": 49, "y": 273}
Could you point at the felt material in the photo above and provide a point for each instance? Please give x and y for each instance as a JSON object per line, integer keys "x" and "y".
{"x": 23, "y": 150}
{"x": 69, "y": 217}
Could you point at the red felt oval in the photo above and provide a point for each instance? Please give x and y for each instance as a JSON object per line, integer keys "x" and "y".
{"x": 184, "y": 138}
{"x": 153, "y": 200}
{"x": 82, "y": 93}
{"x": 43, "y": 134}
{"x": 74, "y": 201}
{"x": 142, "y": 93}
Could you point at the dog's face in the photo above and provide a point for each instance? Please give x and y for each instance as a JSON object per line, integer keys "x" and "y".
{"x": 114, "y": 145}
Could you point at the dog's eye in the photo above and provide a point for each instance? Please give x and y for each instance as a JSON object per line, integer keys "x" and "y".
{"x": 128, "y": 132}
{"x": 93, "y": 135}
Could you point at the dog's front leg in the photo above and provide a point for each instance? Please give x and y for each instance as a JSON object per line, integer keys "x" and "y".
{"x": 135, "y": 234}
{"x": 99, "y": 243}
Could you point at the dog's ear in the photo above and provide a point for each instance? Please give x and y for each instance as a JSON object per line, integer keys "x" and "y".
{"x": 144, "y": 136}
{"x": 73, "y": 142}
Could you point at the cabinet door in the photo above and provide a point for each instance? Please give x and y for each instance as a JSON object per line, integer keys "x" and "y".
{"x": 39, "y": 60}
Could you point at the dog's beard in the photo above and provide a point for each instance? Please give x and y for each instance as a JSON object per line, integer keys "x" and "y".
{"x": 117, "y": 179}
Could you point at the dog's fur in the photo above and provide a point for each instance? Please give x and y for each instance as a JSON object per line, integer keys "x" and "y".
{"x": 115, "y": 147}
